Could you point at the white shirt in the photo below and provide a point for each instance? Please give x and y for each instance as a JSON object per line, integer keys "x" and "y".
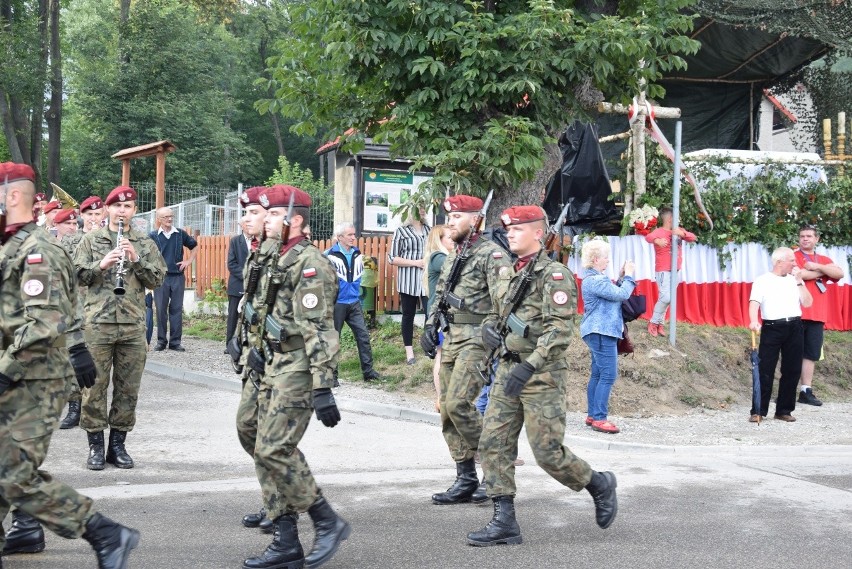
{"x": 778, "y": 296}
{"x": 169, "y": 233}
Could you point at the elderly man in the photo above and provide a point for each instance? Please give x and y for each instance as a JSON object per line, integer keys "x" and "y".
{"x": 779, "y": 295}
{"x": 170, "y": 241}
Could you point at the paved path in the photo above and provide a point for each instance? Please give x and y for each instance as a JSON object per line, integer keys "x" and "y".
{"x": 679, "y": 506}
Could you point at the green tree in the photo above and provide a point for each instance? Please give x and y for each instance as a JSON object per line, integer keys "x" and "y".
{"x": 476, "y": 90}
{"x": 322, "y": 196}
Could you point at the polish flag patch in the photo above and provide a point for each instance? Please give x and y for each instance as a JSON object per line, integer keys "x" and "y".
{"x": 497, "y": 255}
{"x": 558, "y": 276}
{"x": 307, "y": 273}
{"x": 34, "y": 259}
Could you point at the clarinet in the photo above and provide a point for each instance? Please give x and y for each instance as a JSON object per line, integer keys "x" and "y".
{"x": 120, "y": 271}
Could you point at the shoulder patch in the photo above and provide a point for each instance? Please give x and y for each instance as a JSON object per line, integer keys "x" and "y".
{"x": 33, "y": 287}
{"x": 558, "y": 276}
{"x": 310, "y": 300}
{"x": 309, "y": 272}
{"x": 497, "y": 254}
{"x": 560, "y": 297}
{"x": 34, "y": 259}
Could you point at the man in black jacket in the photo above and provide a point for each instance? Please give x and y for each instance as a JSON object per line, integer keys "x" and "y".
{"x": 238, "y": 250}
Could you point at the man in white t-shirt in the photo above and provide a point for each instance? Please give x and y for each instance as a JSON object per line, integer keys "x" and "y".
{"x": 780, "y": 295}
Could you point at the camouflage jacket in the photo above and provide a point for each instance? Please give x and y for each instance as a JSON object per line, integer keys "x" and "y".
{"x": 101, "y": 304}
{"x": 304, "y": 307}
{"x": 70, "y": 244}
{"x": 38, "y": 294}
{"x": 267, "y": 256}
{"x": 549, "y": 308}
{"x": 480, "y": 275}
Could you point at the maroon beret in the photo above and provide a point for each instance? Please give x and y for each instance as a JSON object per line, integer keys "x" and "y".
{"x": 463, "y": 203}
{"x": 65, "y": 215}
{"x": 91, "y": 203}
{"x": 520, "y": 214}
{"x": 11, "y": 172}
{"x": 40, "y": 197}
{"x": 279, "y": 196}
{"x": 251, "y": 196}
{"x": 121, "y": 194}
{"x": 52, "y": 205}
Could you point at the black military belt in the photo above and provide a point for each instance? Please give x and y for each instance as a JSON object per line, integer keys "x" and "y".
{"x": 466, "y": 318}
{"x": 291, "y": 344}
{"x": 781, "y": 320}
{"x": 512, "y": 357}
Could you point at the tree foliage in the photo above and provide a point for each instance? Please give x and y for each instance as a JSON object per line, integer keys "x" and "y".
{"x": 322, "y": 196}
{"x": 474, "y": 89}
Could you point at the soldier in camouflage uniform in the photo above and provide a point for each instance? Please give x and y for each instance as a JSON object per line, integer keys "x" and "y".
{"x": 531, "y": 378}
{"x": 462, "y": 349}
{"x": 91, "y": 212}
{"x": 115, "y": 324}
{"x": 298, "y": 355}
{"x": 42, "y": 346}
{"x": 263, "y": 255}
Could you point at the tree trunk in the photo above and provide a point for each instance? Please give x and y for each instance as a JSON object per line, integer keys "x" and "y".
{"x": 9, "y": 129}
{"x": 54, "y": 113}
{"x": 526, "y": 193}
{"x": 15, "y": 126}
{"x": 37, "y": 120}
{"x": 273, "y": 117}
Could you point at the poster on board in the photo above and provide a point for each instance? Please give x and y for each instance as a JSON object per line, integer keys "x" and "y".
{"x": 384, "y": 190}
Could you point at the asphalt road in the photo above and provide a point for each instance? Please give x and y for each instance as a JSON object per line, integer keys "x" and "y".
{"x": 678, "y": 507}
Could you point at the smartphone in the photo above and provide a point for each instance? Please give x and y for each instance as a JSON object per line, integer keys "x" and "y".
{"x": 820, "y": 285}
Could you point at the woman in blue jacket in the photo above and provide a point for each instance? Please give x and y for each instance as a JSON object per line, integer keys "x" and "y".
{"x": 602, "y": 327}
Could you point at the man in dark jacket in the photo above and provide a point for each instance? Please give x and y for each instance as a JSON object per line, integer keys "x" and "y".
{"x": 349, "y": 265}
{"x": 238, "y": 250}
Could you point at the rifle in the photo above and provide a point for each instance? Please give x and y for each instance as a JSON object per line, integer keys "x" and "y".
{"x": 448, "y": 299}
{"x": 249, "y": 316}
{"x": 285, "y": 232}
{"x": 508, "y": 321}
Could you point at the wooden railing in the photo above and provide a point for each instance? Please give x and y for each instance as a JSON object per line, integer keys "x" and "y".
{"x": 211, "y": 266}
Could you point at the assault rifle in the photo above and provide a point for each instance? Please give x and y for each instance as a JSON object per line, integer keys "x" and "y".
{"x": 508, "y": 321}
{"x": 448, "y": 299}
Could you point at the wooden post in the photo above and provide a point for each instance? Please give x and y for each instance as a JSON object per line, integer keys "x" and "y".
{"x": 160, "y": 200}
{"x": 125, "y": 172}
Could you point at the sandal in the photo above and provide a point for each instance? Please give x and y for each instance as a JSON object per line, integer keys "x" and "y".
{"x": 605, "y": 427}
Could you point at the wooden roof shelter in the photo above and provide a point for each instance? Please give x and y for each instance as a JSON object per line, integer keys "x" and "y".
{"x": 158, "y": 149}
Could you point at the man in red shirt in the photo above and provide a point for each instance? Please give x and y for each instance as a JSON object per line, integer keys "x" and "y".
{"x": 661, "y": 238}
{"x": 817, "y": 272}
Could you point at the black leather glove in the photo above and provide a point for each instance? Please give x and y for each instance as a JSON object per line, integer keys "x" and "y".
{"x": 429, "y": 341}
{"x": 518, "y": 378}
{"x": 84, "y": 365}
{"x": 491, "y": 337}
{"x": 325, "y": 407}
{"x": 5, "y": 383}
{"x": 256, "y": 361}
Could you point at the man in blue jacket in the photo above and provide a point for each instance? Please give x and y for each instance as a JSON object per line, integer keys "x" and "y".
{"x": 349, "y": 265}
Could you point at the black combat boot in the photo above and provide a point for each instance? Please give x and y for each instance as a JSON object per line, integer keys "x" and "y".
{"x": 24, "y": 536}
{"x": 116, "y": 454}
{"x": 266, "y": 526}
{"x": 480, "y": 496}
{"x": 602, "y": 488}
{"x": 72, "y": 419}
{"x": 463, "y": 488}
{"x": 330, "y": 530}
{"x": 96, "y": 451}
{"x": 503, "y": 527}
{"x": 112, "y": 542}
{"x": 253, "y": 520}
{"x": 285, "y": 551}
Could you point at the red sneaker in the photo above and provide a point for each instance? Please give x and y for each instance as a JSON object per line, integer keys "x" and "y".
{"x": 660, "y": 330}
{"x": 605, "y": 427}
{"x": 589, "y": 421}
{"x": 653, "y": 329}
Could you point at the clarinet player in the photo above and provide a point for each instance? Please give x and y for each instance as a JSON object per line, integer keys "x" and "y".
{"x": 117, "y": 271}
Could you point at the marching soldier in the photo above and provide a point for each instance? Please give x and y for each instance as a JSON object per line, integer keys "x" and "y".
{"x": 531, "y": 378}
{"x": 42, "y": 346}
{"x": 117, "y": 271}
{"x": 462, "y": 349}
{"x": 91, "y": 211}
{"x": 296, "y": 361}
{"x": 66, "y": 225}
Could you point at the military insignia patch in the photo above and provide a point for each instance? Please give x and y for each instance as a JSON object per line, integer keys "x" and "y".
{"x": 497, "y": 255}
{"x": 506, "y": 219}
{"x": 310, "y": 272}
{"x": 310, "y": 300}
{"x": 34, "y": 258}
{"x": 560, "y": 297}
{"x": 264, "y": 200}
{"x": 558, "y": 276}
{"x": 33, "y": 287}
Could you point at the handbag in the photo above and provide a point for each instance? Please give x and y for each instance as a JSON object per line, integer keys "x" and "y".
{"x": 625, "y": 344}
{"x": 633, "y": 307}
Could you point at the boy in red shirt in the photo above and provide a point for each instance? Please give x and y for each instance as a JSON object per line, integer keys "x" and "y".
{"x": 661, "y": 238}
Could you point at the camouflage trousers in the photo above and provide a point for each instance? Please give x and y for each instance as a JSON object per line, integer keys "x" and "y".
{"x": 29, "y": 413}
{"x": 461, "y": 383}
{"x": 247, "y": 412}
{"x": 284, "y": 405}
{"x": 541, "y": 407}
{"x": 119, "y": 351}
{"x": 74, "y": 392}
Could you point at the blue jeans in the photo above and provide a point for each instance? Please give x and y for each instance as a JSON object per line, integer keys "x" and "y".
{"x": 604, "y": 350}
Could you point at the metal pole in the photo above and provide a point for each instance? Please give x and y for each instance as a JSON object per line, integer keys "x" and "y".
{"x": 675, "y": 239}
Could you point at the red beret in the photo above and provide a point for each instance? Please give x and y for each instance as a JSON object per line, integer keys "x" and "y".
{"x": 520, "y": 214}
{"x": 279, "y": 196}
{"x": 463, "y": 203}
{"x": 65, "y": 215}
{"x": 52, "y": 205}
{"x": 92, "y": 203}
{"x": 121, "y": 194}
{"x": 40, "y": 197}
{"x": 11, "y": 172}
{"x": 251, "y": 196}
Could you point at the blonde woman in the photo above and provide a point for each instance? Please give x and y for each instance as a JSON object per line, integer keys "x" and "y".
{"x": 601, "y": 327}
{"x": 406, "y": 255}
{"x": 438, "y": 245}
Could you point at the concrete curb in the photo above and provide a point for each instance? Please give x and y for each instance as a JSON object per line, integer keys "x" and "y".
{"x": 415, "y": 415}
